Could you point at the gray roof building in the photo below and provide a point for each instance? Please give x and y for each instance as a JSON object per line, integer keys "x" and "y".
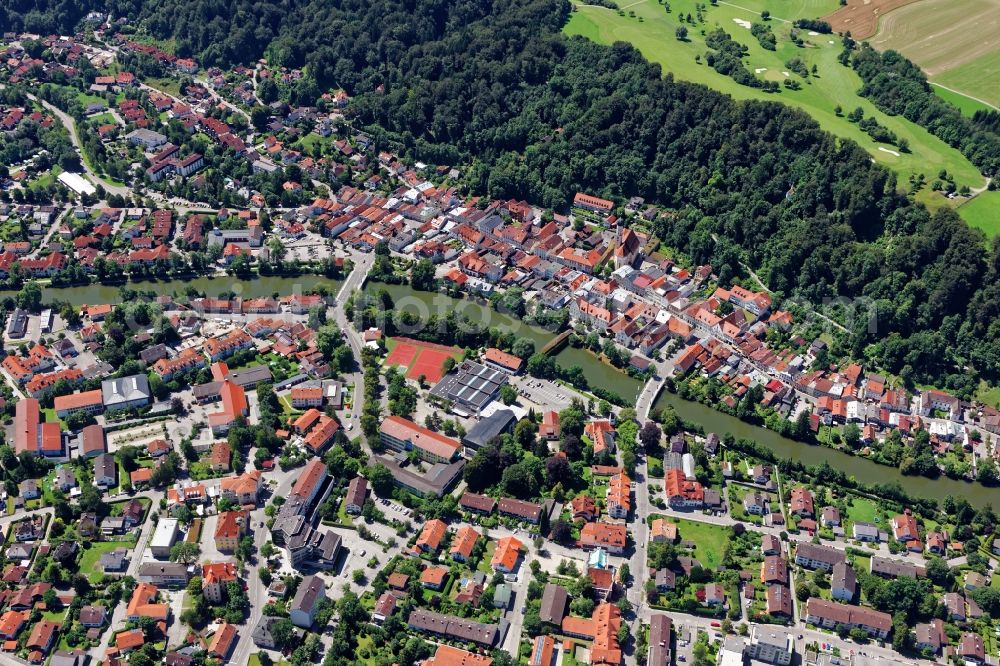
{"x": 660, "y": 627}
{"x": 554, "y": 600}
{"x": 471, "y": 386}
{"x": 489, "y": 428}
{"x": 126, "y": 392}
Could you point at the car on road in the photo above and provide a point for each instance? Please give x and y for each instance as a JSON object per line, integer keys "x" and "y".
{"x": 716, "y": 624}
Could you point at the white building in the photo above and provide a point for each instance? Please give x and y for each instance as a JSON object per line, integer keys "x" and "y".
{"x": 163, "y": 538}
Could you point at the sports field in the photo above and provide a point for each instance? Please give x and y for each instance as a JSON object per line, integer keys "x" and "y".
{"x": 420, "y": 358}
{"x": 652, "y": 31}
{"x": 983, "y": 212}
{"x": 956, "y": 42}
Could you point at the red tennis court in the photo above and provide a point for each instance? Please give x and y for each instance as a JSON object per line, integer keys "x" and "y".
{"x": 430, "y": 364}
{"x": 402, "y": 355}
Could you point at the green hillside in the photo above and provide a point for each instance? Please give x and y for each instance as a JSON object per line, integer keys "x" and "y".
{"x": 647, "y": 25}
{"x": 983, "y": 212}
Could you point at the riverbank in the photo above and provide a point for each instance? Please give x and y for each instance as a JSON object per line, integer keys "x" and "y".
{"x": 862, "y": 470}
{"x": 210, "y": 286}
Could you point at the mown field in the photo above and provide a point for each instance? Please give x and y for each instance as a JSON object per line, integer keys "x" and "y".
{"x": 983, "y": 212}
{"x": 966, "y": 105}
{"x": 956, "y": 42}
{"x": 647, "y": 25}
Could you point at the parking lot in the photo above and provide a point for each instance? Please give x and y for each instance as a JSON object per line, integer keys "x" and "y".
{"x": 544, "y": 394}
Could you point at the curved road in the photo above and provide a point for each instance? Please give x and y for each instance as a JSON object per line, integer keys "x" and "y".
{"x": 70, "y": 126}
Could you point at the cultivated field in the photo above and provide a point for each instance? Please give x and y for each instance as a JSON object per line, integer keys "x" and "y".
{"x": 860, "y": 17}
{"x": 652, "y": 31}
{"x": 956, "y": 42}
{"x": 983, "y": 212}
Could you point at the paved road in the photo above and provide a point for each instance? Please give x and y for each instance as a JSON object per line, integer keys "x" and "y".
{"x": 97, "y": 654}
{"x": 51, "y": 232}
{"x": 70, "y": 126}
{"x": 355, "y": 280}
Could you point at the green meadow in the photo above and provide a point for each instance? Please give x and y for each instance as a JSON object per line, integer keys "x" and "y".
{"x": 649, "y": 27}
{"x": 966, "y": 105}
{"x": 983, "y": 212}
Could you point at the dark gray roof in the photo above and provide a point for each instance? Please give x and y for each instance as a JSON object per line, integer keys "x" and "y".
{"x": 251, "y": 376}
{"x": 472, "y": 384}
{"x": 553, "y": 608}
{"x": 125, "y": 389}
{"x": 489, "y": 428}
{"x": 435, "y": 482}
{"x": 659, "y": 640}
{"x": 310, "y": 591}
{"x": 153, "y": 354}
{"x": 454, "y": 627}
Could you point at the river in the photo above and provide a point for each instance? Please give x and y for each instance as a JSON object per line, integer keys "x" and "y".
{"x": 423, "y": 304}
{"x": 863, "y": 470}
{"x": 597, "y": 372}
{"x": 210, "y": 286}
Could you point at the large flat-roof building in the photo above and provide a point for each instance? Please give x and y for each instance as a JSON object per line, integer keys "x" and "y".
{"x": 471, "y": 386}
{"x": 163, "y": 538}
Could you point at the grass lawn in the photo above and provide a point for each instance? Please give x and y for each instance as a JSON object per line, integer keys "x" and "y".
{"x": 286, "y": 405}
{"x": 90, "y": 561}
{"x": 254, "y": 660}
{"x": 86, "y": 99}
{"x": 862, "y": 511}
{"x": 710, "y": 541}
{"x": 966, "y": 105}
{"x": 167, "y": 85}
{"x": 103, "y": 119}
{"x": 989, "y": 395}
{"x": 651, "y": 30}
{"x": 484, "y": 563}
{"x": 983, "y": 212}
{"x": 306, "y": 143}
{"x": 365, "y": 646}
{"x": 54, "y": 616}
{"x": 46, "y": 179}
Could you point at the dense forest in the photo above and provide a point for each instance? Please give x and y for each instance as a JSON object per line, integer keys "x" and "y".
{"x": 539, "y": 115}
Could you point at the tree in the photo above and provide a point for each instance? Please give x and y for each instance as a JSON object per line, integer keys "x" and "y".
{"x": 381, "y": 479}
{"x": 259, "y": 115}
{"x": 244, "y": 549}
{"x": 582, "y": 606}
{"x": 650, "y": 435}
{"x": 561, "y": 531}
{"x": 523, "y": 348}
{"x": 508, "y": 394}
{"x": 283, "y": 633}
{"x": 558, "y": 470}
{"x": 682, "y": 33}
{"x": 422, "y": 275}
{"x": 185, "y": 552}
{"x": 852, "y": 435}
{"x": 90, "y": 499}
